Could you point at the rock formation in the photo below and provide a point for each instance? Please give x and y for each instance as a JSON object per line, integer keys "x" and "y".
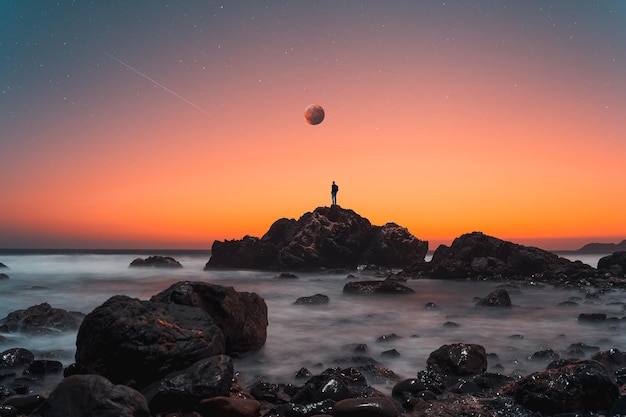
{"x": 138, "y": 342}
{"x": 156, "y": 261}
{"x": 328, "y": 237}
{"x": 41, "y": 319}
{"x": 479, "y": 256}
{"x": 615, "y": 263}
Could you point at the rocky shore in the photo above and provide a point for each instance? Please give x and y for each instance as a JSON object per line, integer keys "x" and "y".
{"x": 172, "y": 355}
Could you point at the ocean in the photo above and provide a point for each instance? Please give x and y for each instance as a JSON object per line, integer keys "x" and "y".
{"x": 322, "y": 336}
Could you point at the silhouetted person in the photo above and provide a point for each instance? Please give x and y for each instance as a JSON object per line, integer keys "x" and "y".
{"x": 333, "y": 193}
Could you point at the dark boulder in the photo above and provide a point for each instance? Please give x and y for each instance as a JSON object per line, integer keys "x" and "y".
{"x": 183, "y": 390}
{"x": 366, "y": 407}
{"x": 92, "y": 395}
{"x": 156, "y": 261}
{"x": 3, "y": 276}
{"x": 229, "y": 407}
{"x": 579, "y": 386}
{"x": 41, "y": 319}
{"x": 3, "y": 265}
{"x": 591, "y": 317}
{"x": 15, "y": 358}
{"x": 316, "y": 299}
{"x": 43, "y": 367}
{"x": 241, "y": 316}
{"x": 497, "y": 298}
{"x": 458, "y": 359}
{"x": 22, "y": 404}
{"x": 376, "y": 287}
{"x": 328, "y": 237}
{"x": 476, "y": 255}
{"x": 613, "y": 359}
{"x": 615, "y": 263}
{"x": 323, "y": 387}
{"x": 137, "y": 342}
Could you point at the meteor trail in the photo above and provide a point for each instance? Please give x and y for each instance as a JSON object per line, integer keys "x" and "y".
{"x": 155, "y": 82}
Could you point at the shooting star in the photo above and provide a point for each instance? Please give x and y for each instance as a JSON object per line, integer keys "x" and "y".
{"x": 155, "y": 82}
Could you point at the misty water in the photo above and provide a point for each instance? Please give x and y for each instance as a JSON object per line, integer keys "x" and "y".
{"x": 322, "y": 336}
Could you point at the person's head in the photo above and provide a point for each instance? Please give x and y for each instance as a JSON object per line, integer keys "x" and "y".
{"x": 333, "y": 182}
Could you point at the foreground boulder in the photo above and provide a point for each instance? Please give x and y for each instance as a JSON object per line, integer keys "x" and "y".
{"x": 241, "y": 316}
{"x": 329, "y": 237}
{"x": 479, "y": 256}
{"x": 458, "y": 359}
{"x": 183, "y": 390}
{"x": 137, "y": 342}
{"x": 578, "y": 386}
{"x": 497, "y": 298}
{"x": 156, "y": 261}
{"x": 41, "y": 319}
{"x": 92, "y": 395}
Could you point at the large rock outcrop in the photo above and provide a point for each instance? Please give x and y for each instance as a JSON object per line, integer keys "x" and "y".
{"x": 582, "y": 386}
{"x": 328, "y": 237}
{"x": 479, "y": 256}
{"x": 242, "y": 316}
{"x": 137, "y": 342}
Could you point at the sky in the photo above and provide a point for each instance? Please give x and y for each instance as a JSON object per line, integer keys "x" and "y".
{"x": 171, "y": 124}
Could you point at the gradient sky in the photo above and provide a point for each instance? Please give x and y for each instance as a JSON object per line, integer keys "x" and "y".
{"x": 158, "y": 124}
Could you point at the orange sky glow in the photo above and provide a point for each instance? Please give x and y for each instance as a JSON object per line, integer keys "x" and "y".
{"x": 442, "y": 119}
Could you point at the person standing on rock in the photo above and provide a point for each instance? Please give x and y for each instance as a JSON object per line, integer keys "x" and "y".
{"x": 333, "y": 193}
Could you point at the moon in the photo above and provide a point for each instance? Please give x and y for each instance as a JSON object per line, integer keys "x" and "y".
{"x": 314, "y": 114}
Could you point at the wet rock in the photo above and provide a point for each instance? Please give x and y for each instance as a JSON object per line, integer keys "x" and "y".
{"x": 431, "y": 306}
{"x": 376, "y": 287}
{"x": 544, "y": 355}
{"x": 328, "y": 237}
{"x": 412, "y": 385}
{"x": 43, "y": 367}
{"x": 322, "y": 387}
{"x": 591, "y": 317}
{"x": 91, "y": 395}
{"x": 581, "y": 348}
{"x": 491, "y": 381}
{"x": 392, "y": 353}
{"x": 476, "y": 255}
{"x": 229, "y": 407}
{"x": 366, "y": 407}
{"x": 568, "y": 303}
{"x": 319, "y": 408}
{"x": 3, "y": 276}
{"x": 41, "y": 319}
{"x": 615, "y": 263}
{"x": 581, "y": 386}
{"x": 316, "y": 299}
{"x": 458, "y": 359}
{"x": 137, "y": 342}
{"x": 287, "y": 275}
{"x": 16, "y": 357}
{"x": 3, "y": 265}
{"x": 497, "y": 298}
{"x": 613, "y": 359}
{"x": 156, "y": 261}
{"x": 242, "y": 316}
{"x": 374, "y": 371}
{"x": 25, "y": 404}
{"x": 183, "y": 390}
{"x": 388, "y": 338}
{"x": 268, "y": 392}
